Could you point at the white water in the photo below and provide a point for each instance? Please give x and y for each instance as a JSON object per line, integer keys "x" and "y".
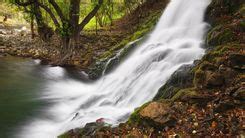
{"x": 176, "y": 40}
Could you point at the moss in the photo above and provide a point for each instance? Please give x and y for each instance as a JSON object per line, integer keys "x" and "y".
{"x": 106, "y": 55}
{"x": 135, "y": 117}
{"x": 219, "y": 35}
{"x": 65, "y": 135}
{"x": 184, "y": 92}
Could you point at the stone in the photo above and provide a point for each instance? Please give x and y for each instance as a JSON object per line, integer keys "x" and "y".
{"x": 223, "y": 106}
{"x": 240, "y": 93}
{"x": 180, "y": 79}
{"x": 90, "y": 128}
{"x": 228, "y": 74}
{"x": 158, "y": 115}
{"x": 237, "y": 61}
{"x": 214, "y": 79}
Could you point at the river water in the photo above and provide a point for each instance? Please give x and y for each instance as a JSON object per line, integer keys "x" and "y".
{"x": 22, "y": 83}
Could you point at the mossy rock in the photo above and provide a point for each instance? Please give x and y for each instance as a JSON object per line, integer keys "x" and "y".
{"x": 135, "y": 117}
{"x": 184, "y": 93}
{"x": 180, "y": 79}
{"x": 219, "y": 35}
{"x": 199, "y": 78}
{"x": 220, "y": 8}
{"x": 218, "y": 54}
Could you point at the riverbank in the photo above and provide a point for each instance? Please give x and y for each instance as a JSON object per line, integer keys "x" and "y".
{"x": 204, "y": 99}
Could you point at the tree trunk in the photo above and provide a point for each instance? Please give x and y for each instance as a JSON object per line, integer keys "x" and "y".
{"x": 74, "y": 20}
{"x": 32, "y": 27}
{"x": 44, "y": 31}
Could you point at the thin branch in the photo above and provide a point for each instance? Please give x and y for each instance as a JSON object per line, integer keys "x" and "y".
{"x": 24, "y": 3}
{"x": 49, "y": 11}
{"x": 57, "y": 9}
{"x": 90, "y": 15}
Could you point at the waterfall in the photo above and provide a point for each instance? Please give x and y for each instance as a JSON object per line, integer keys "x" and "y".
{"x": 175, "y": 41}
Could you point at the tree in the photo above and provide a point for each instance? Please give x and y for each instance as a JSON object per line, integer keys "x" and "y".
{"x": 67, "y": 25}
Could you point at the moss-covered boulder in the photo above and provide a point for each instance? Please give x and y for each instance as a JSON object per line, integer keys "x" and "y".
{"x": 219, "y": 35}
{"x": 180, "y": 79}
{"x": 221, "y": 10}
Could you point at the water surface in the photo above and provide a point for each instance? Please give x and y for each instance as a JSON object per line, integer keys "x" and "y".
{"x": 22, "y": 82}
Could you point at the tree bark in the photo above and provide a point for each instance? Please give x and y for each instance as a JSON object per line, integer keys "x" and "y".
{"x": 74, "y": 21}
{"x": 44, "y": 30}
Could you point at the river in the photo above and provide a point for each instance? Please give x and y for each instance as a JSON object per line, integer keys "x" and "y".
{"x": 22, "y": 84}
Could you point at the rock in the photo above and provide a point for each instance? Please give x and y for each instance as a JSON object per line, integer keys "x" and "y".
{"x": 158, "y": 115}
{"x": 240, "y": 93}
{"x": 237, "y": 61}
{"x": 3, "y": 47}
{"x": 219, "y": 35}
{"x": 220, "y": 8}
{"x": 90, "y": 128}
{"x": 195, "y": 98}
{"x": 214, "y": 79}
{"x": 110, "y": 61}
{"x": 223, "y": 106}
{"x": 180, "y": 79}
{"x": 228, "y": 74}
{"x": 3, "y": 32}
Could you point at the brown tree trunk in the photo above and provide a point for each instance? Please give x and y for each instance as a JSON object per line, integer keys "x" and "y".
{"x": 32, "y": 27}
{"x": 74, "y": 20}
{"x": 44, "y": 31}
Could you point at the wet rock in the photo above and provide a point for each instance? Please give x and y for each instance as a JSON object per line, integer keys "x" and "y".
{"x": 111, "y": 61}
{"x": 90, "y": 128}
{"x": 180, "y": 79}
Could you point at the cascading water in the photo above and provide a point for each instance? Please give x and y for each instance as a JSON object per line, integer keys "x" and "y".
{"x": 176, "y": 40}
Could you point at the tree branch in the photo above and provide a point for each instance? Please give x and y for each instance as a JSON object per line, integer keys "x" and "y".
{"x": 24, "y": 3}
{"x": 58, "y": 10}
{"x": 90, "y": 15}
{"x": 49, "y": 11}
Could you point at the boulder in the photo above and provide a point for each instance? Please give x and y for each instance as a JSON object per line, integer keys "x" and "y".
{"x": 219, "y": 35}
{"x": 237, "y": 61}
{"x": 181, "y": 78}
{"x": 214, "y": 79}
{"x": 157, "y": 114}
{"x": 217, "y": 9}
